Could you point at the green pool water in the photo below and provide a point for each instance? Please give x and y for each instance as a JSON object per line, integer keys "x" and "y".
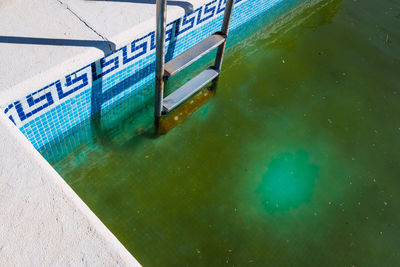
{"x": 294, "y": 162}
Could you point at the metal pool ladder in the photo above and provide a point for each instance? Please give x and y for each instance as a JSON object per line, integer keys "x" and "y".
{"x": 166, "y": 70}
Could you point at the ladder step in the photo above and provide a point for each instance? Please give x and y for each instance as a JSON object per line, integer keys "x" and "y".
{"x": 188, "y": 89}
{"x": 192, "y": 54}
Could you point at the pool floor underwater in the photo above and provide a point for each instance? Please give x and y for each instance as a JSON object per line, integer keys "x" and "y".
{"x": 294, "y": 161}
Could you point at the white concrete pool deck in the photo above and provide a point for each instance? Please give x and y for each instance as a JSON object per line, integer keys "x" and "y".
{"x": 42, "y": 221}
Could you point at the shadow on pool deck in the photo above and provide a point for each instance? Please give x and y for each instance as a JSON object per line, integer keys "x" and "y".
{"x": 105, "y": 46}
{"x": 188, "y": 7}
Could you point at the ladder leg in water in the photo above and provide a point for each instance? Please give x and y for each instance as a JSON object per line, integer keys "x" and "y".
{"x": 221, "y": 49}
{"x": 164, "y": 70}
{"x": 160, "y": 61}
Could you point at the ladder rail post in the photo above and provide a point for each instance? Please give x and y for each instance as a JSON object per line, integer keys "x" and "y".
{"x": 160, "y": 61}
{"x": 224, "y": 31}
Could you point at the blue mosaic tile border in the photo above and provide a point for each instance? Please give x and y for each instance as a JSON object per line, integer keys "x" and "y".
{"x": 46, "y": 114}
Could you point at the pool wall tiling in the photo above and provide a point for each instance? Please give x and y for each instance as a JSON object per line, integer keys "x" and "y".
{"x": 45, "y": 114}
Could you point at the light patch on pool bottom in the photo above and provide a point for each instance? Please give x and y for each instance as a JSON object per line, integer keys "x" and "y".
{"x": 288, "y": 182}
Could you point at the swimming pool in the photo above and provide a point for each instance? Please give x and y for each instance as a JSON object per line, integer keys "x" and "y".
{"x": 294, "y": 161}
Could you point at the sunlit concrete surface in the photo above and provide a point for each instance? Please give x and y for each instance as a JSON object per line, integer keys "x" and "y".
{"x": 40, "y": 41}
{"x": 121, "y": 20}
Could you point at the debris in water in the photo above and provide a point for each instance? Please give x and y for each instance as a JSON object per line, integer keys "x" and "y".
{"x": 387, "y": 40}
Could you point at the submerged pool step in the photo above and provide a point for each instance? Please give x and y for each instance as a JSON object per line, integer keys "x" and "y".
{"x": 192, "y": 54}
{"x": 188, "y": 89}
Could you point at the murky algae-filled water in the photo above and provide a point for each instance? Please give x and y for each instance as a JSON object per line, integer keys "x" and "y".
{"x": 294, "y": 161}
